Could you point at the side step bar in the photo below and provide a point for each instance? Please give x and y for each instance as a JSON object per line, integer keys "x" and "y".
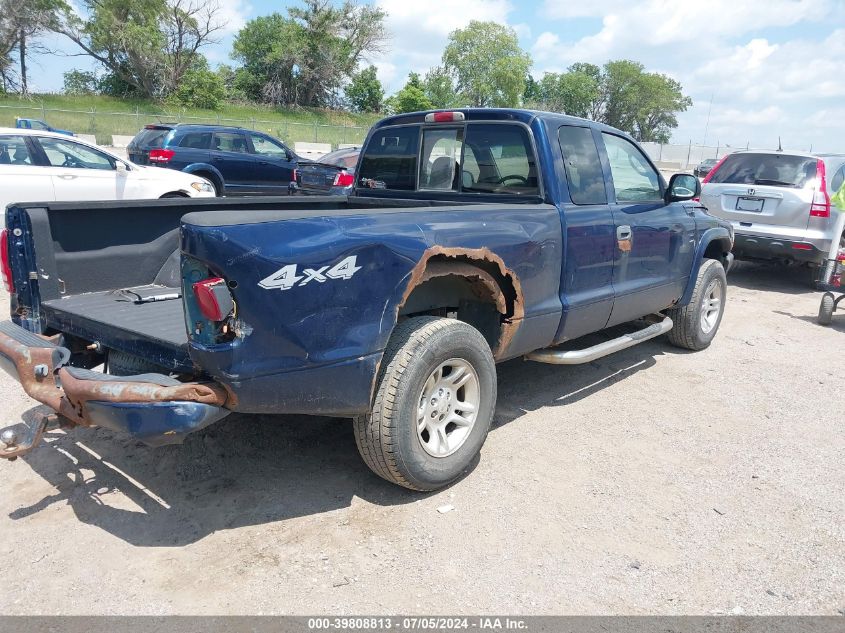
{"x": 589, "y": 354}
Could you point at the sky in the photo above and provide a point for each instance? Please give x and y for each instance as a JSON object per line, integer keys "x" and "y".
{"x": 756, "y": 70}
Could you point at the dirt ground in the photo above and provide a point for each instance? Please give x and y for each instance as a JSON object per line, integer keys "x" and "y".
{"x": 650, "y": 482}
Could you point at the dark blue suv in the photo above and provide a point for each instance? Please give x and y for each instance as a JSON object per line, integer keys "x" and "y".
{"x": 235, "y": 160}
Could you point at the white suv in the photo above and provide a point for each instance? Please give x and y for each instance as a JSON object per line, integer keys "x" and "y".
{"x": 778, "y": 203}
{"x": 39, "y": 166}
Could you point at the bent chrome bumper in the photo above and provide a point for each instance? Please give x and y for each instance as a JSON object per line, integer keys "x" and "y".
{"x": 154, "y": 408}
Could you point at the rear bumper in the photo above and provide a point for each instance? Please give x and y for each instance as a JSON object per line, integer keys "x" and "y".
{"x": 755, "y": 247}
{"x": 153, "y": 408}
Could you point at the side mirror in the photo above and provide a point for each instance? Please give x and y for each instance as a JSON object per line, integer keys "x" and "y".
{"x": 682, "y": 187}
{"x": 288, "y": 155}
{"x": 120, "y": 167}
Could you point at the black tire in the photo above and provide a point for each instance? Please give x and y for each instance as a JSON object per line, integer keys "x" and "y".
{"x": 688, "y": 331}
{"x": 826, "y": 309}
{"x": 387, "y": 438}
{"x": 123, "y": 364}
{"x": 173, "y": 194}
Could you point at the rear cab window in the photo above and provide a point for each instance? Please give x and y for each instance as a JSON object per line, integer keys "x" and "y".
{"x": 777, "y": 170}
{"x": 486, "y": 158}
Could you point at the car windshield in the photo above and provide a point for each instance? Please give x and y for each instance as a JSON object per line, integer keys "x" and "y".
{"x": 778, "y": 170}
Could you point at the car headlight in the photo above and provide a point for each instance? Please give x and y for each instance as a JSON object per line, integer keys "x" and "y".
{"x": 203, "y": 187}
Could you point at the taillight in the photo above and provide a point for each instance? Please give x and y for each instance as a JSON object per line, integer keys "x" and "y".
{"x": 5, "y": 264}
{"x": 161, "y": 155}
{"x": 213, "y": 298}
{"x": 821, "y": 199}
{"x": 713, "y": 171}
{"x": 802, "y": 247}
{"x": 294, "y": 177}
{"x": 344, "y": 179}
{"x": 444, "y": 117}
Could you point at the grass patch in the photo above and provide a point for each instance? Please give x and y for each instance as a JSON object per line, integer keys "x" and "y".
{"x": 106, "y": 116}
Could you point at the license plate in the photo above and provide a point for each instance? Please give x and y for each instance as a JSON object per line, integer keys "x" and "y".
{"x": 749, "y": 204}
{"x": 311, "y": 179}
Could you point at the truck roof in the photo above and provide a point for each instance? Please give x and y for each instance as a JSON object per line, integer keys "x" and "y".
{"x": 497, "y": 114}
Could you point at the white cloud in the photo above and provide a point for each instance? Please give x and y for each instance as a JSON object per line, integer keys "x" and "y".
{"x": 765, "y": 79}
{"x": 232, "y": 15}
{"x": 419, "y": 31}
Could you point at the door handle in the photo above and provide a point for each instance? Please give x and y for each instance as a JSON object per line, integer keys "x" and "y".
{"x": 67, "y": 176}
{"x": 623, "y": 238}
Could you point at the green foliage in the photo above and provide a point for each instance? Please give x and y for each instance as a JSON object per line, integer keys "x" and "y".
{"x": 411, "y": 98}
{"x": 440, "y": 88}
{"x": 201, "y": 88}
{"x": 148, "y": 45}
{"x": 487, "y": 64}
{"x": 573, "y": 93}
{"x": 621, "y": 94}
{"x": 78, "y": 82}
{"x": 306, "y": 57}
{"x": 365, "y": 92}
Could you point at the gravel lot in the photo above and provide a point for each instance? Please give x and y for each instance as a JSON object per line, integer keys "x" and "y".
{"x": 650, "y": 482}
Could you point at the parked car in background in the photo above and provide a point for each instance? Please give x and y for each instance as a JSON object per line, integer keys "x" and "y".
{"x": 235, "y": 160}
{"x": 778, "y": 203}
{"x": 38, "y": 166}
{"x": 332, "y": 175}
{"x": 38, "y": 124}
{"x": 703, "y": 168}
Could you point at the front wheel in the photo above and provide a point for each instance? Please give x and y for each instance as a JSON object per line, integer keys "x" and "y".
{"x": 697, "y": 322}
{"x": 434, "y": 404}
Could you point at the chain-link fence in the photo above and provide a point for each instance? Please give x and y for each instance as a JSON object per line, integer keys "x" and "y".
{"x": 687, "y": 156}
{"x": 104, "y": 125}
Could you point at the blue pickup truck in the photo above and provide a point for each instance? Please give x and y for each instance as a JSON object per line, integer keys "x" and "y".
{"x": 472, "y": 237}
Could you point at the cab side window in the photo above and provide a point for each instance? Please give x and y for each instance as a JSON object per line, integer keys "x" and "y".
{"x": 62, "y": 153}
{"x": 582, "y": 164}
{"x": 267, "y": 147}
{"x": 13, "y": 151}
{"x": 499, "y": 158}
{"x": 230, "y": 142}
{"x": 634, "y": 179}
{"x": 196, "y": 140}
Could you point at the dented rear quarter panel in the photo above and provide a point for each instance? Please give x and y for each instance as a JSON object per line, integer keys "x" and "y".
{"x": 316, "y": 348}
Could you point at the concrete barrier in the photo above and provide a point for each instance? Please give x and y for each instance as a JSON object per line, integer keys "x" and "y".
{"x": 312, "y": 150}
{"x": 88, "y": 137}
{"x": 348, "y": 145}
{"x": 668, "y": 165}
{"x": 120, "y": 141}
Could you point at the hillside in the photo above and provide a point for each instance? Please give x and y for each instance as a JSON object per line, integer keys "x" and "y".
{"x": 105, "y": 116}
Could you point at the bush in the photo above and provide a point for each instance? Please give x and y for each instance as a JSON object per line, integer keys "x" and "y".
{"x": 201, "y": 89}
{"x": 78, "y": 83}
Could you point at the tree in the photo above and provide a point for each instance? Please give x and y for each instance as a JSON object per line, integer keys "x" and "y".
{"x": 78, "y": 82}
{"x": 440, "y": 88}
{"x": 487, "y": 64}
{"x": 621, "y": 94}
{"x": 411, "y": 98}
{"x": 572, "y": 93}
{"x": 146, "y": 44}
{"x": 201, "y": 88}
{"x": 306, "y": 57}
{"x": 21, "y": 22}
{"x": 365, "y": 92}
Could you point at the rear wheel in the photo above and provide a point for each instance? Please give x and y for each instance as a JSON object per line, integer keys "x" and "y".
{"x": 696, "y": 324}
{"x": 826, "y": 309}
{"x": 173, "y": 194}
{"x": 435, "y": 400}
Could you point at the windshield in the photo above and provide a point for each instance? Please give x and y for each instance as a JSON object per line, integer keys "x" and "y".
{"x": 778, "y": 170}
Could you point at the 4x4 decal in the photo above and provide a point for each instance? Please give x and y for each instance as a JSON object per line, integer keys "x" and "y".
{"x": 287, "y": 276}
